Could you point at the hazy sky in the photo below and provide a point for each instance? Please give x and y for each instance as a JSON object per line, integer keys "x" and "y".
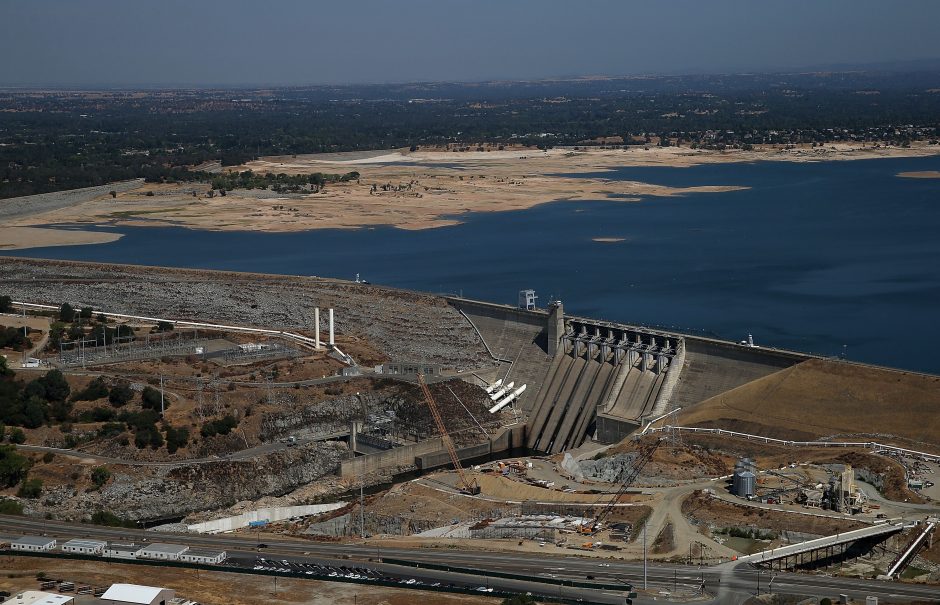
{"x": 129, "y": 42}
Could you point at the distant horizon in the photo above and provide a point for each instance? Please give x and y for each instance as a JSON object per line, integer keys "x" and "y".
{"x": 923, "y": 65}
{"x": 234, "y": 43}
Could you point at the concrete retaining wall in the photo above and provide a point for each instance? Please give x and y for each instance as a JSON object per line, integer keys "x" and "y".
{"x": 430, "y": 454}
{"x": 613, "y": 430}
{"x": 275, "y": 513}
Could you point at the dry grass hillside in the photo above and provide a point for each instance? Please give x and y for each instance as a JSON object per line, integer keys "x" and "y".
{"x": 819, "y": 398}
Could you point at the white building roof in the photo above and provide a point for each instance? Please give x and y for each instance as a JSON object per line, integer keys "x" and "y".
{"x": 34, "y": 540}
{"x": 38, "y": 597}
{"x": 163, "y": 547}
{"x": 201, "y": 552}
{"x": 79, "y": 543}
{"x": 132, "y": 593}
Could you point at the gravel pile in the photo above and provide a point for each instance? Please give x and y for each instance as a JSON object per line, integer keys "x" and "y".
{"x": 406, "y": 326}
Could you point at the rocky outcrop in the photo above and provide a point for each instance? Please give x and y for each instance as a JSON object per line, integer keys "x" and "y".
{"x": 162, "y": 493}
{"x": 323, "y": 417}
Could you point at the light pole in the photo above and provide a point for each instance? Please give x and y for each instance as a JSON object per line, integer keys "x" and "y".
{"x": 759, "y": 572}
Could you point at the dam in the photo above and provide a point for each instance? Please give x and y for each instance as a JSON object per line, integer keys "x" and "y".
{"x": 589, "y": 379}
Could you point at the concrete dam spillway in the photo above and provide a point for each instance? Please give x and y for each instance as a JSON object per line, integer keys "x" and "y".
{"x": 590, "y": 379}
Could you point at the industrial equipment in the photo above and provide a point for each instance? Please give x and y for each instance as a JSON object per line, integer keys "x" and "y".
{"x": 468, "y": 484}
{"x": 643, "y": 457}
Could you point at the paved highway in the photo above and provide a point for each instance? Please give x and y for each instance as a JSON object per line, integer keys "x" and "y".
{"x": 727, "y": 586}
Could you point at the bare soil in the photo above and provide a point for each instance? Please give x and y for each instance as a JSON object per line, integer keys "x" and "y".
{"x": 819, "y": 398}
{"x": 719, "y": 513}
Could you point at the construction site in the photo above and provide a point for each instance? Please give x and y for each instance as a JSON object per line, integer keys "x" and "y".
{"x": 442, "y": 422}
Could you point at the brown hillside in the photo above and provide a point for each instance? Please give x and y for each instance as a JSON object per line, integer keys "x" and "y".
{"x": 819, "y": 398}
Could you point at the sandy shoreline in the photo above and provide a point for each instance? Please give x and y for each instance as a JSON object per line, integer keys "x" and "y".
{"x": 420, "y": 190}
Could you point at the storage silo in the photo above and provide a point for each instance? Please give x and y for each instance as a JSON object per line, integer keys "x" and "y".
{"x": 747, "y": 484}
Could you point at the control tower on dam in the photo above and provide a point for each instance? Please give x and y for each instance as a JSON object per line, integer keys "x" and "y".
{"x": 591, "y": 379}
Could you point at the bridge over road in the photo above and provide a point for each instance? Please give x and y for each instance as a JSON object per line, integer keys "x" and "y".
{"x": 810, "y": 551}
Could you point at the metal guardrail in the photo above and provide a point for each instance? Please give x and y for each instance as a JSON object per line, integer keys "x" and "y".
{"x": 927, "y": 456}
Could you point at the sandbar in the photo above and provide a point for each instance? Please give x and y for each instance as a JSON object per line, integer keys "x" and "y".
{"x": 920, "y": 174}
{"x": 425, "y": 189}
{"x": 21, "y": 238}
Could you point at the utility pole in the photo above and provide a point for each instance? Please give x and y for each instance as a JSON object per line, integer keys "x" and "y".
{"x": 644, "y": 556}
{"x": 162, "y": 406}
{"x": 25, "y": 335}
{"x": 362, "y": 523}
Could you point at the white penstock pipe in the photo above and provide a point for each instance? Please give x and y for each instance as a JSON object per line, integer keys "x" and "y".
{"x": 506, "y": 400}
{"x": 495, "y": 396}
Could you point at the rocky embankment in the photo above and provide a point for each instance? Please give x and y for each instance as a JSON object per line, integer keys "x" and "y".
{"x": 322, "y": 417}
{"x": 404, "y": 325}
{"x": 135, "y": 494}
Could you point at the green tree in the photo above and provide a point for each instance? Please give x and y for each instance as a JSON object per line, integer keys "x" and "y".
{"x": 164, "y": 326}
{"x": 13, "y": 466}
{"x": 176, "y": 438}
{"x": 86, "y": 313}
{"x": 56, "y": 331}
{"x": 6, "y": 304}
{"x": 150, "y": 399}
{"x": 66, "y": 313}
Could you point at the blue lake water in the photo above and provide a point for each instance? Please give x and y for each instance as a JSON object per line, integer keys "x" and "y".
{"x": 812, "y": 257}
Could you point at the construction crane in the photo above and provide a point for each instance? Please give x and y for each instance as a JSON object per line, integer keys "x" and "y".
{"x": 636, "y": 467}
{"x": 468, "y": 484}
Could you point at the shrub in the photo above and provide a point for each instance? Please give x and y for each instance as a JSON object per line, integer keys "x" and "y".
{"x": 222, "y": 426}
{"x": 100, "y": 476}
{"x": 48, "y": 457}
{"x": 30, "y": 488}
{"x": 96, "y": 389}
{"x": 103, "y": 517}
{"x": 120, "y": 395}
{"x": 17, "y": 436}
{"x": 150, "y": 399}
{"x": 10, "y": 507}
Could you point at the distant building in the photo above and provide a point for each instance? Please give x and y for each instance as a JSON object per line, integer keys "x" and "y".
{"x": 84, "y": 547}
{"x": 527, "y": 300}
{"x": 411, "y": 368}
{"x": 204, "y": 557}
{"x": 162, "y": 551}
{"x": 121, "y": 551}
{"x": 38, "y": 597}
{"x": 137, "y": 594}
{"x": 33, "y": 544}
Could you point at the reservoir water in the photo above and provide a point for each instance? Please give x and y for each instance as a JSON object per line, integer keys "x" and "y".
{"x": 825, "y": 257}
